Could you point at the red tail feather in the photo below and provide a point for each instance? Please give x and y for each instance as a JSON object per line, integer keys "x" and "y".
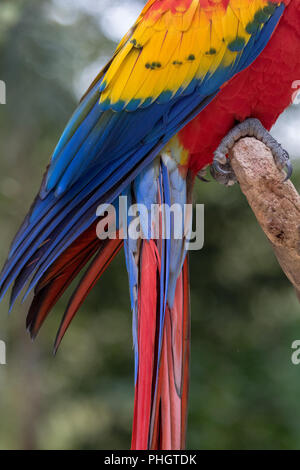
{"x": 58, "y": 278}
{"x": 147, "y": 320}
{"x": 60, "y": 275}
{"x": 160, "y": 411}
{"x": 109, "y": 249}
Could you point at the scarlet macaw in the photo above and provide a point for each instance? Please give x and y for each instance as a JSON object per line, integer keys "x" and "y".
{"x": 158, "y": 113}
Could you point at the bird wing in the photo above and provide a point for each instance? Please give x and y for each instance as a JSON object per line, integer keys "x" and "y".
{"x": 177, "y": 50}
{"x": 170, "y": 64}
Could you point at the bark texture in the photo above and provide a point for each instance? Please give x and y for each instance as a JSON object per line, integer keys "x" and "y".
{"x": 275, "y": 203}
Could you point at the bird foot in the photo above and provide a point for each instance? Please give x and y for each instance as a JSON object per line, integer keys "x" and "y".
{"x": 202, "y": 175}
{"x": 221, "y": 169}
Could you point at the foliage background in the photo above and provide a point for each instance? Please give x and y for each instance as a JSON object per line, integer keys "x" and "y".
{"x": 245, "y": 316}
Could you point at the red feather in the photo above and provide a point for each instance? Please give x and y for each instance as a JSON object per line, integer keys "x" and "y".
{"x": 58, "y": 277}
{"x": 160, "y": 410}
{"x": 169, "y": 430}
{"x": 148, "y": 291}
{"x": 108, "y": 250}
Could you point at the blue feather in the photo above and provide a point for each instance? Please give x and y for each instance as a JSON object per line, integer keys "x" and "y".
{"x": 102, "y": 151}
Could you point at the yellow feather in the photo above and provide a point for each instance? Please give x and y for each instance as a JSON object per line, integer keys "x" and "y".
{"x": 166, "y": 49}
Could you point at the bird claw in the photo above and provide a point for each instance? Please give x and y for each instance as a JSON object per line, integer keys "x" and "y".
{"x": 218, "y": 168}
{"x": 221, "y": 169}
{"x": 201, "y": 175}
{"x": 289, "y": 171}
{"x": 201, "y": 178}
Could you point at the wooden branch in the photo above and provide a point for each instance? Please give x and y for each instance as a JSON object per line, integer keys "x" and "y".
{"x": 276, "y": 204}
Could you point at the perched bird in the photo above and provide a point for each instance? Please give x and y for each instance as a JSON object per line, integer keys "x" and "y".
{"x": 188, "y": 80}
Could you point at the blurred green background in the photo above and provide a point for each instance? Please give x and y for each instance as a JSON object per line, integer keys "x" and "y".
{"x": 245, "y": 316}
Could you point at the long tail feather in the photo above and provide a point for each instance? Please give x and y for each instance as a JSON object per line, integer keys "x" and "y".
{"x": 149, "y": 288}
{"x": 159, "y": 285}
{"x": 58, "y": 277}
{"x": 109, "y": 249}
{"x": 169, "y": 429}
{"x": 160, "y": 411}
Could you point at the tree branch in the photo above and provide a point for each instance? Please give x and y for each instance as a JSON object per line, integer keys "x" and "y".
{"x": 276, "y": 204}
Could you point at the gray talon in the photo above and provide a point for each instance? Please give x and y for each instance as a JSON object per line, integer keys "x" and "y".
{"x": 201, "y": 178}
{"x": 201, "y": 175}
{"x": 289, "y": 170}
{"x": 223, "y": 173}
{"x": 221, "y": 169}
{"x": 218, "y": 169}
